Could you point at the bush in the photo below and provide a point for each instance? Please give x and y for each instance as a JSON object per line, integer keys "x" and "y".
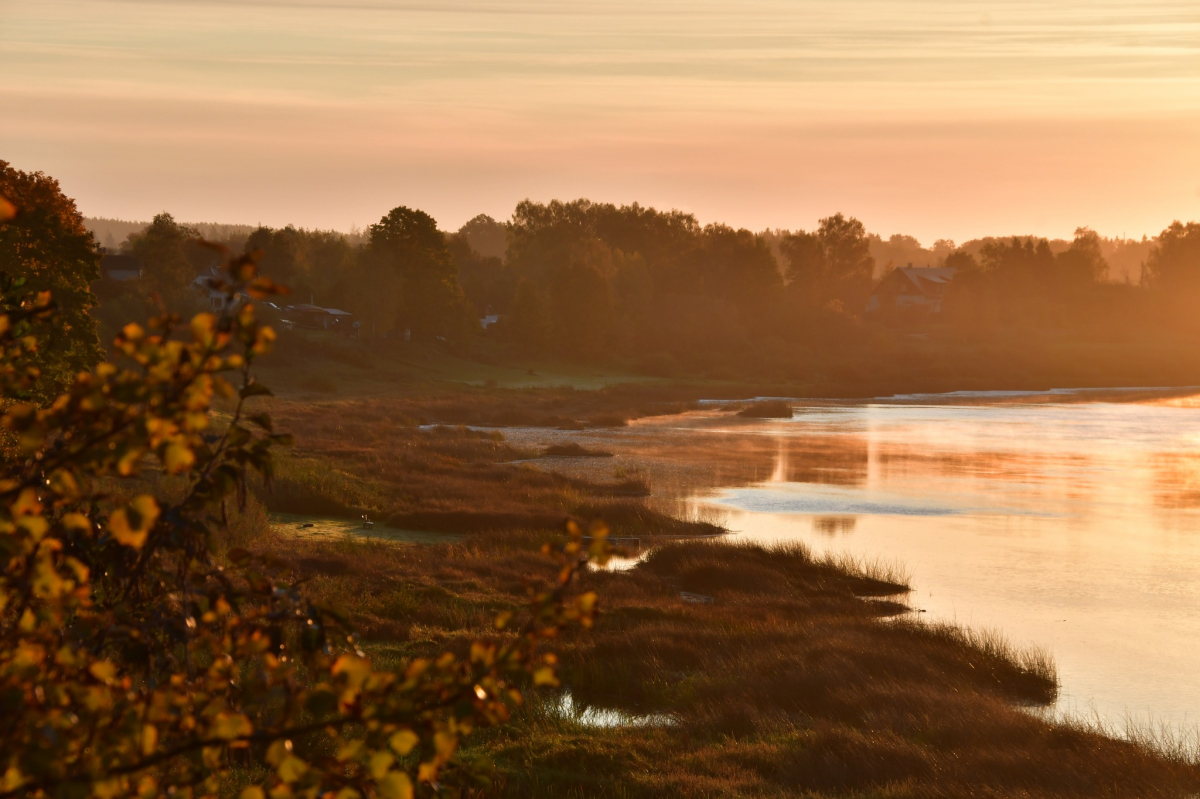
{"x": 131, "y": 662}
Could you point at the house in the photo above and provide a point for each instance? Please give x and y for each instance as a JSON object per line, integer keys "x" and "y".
{"x": 909, "y": 287}
{"x": 317, "y": 318}
{"x": 487, "y": 321}
{"x": 120, "y": 267}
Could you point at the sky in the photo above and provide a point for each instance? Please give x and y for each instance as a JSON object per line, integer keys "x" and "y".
{"x": 936, "y": 118}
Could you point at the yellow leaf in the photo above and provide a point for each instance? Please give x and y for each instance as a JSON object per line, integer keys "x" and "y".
{"x": 27, "y": 503}
{"x": 77, "y": 523}
{"x": 203, "y": 325}
{"x": 104, "y": 671}
{"x": 147, "y": 787}
{"x": 264, "y": 341}
{"x": 291, "y": 769}
{"x": 545, "y": 676}
{"x": 355, "y": 668}
{"x": 277, "y": 751}
{"x": 253, "y": 792}
{"x": 109, "y": 789}
{"x": 178, "y": 458}
{"x": 36, "y": 526}
{"x": 7, "y": 210}
{"x": 379, "y": 764}
{"x": 347, "y": 793}
{"x": 11, "y": 780}
{"x": 231, "y": 725}
{"x": 130, "y": 525}
{"x": 149, "y": 739}
{"x": 64, "y": 483}
{"x": 445, "y": 743}
{"x": 128, "y": 463}
{"x": 403, "y": 742}
{"x": 46, "y": 581}
{"x": 395, "y": 785}
{"x": 350, "y": 750}
{"x": 28, "y": 655}
{"x": 81, "y": 572}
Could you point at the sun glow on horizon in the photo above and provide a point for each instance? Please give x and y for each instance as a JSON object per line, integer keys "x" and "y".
{"x": 926, "y": 117}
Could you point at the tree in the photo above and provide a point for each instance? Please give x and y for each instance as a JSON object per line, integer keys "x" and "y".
{"x": 1083, "y": 263}
{"x": 834, "y": 264}
{"x": 581, "y": 310}
{"x": 47, "y": 246}
{"x": 486, "y": 282}
{"x": 407, "y": 243}
{"x": 530, "y": 322}
{"x": 486, "y": 236}
{"x": 134, "y": 662}
{"x": 1173, "y": 266}
{"x": 170, "y": 258}
{"x": 313, "y": 263}
{"x": 545, "y": 237}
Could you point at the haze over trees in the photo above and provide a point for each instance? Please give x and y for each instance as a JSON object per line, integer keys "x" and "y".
{"x": 659, "y": 292}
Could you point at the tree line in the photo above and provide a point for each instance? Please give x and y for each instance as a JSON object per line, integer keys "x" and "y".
{"x": 662, "y": 292}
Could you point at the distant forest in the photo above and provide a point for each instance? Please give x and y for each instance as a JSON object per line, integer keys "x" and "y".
{"x": 659, "y": 293}
{"x": 1124, "y": 256}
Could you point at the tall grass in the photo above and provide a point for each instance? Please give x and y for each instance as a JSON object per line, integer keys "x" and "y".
{"x": 881, "y": 570}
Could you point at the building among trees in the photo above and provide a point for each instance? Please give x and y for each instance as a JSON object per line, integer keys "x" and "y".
{"x": 912, "y": 288}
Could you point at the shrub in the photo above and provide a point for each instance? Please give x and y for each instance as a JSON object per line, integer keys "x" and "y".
{"x": 132, "y": 662}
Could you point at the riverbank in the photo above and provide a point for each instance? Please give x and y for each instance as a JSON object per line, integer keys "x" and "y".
{"x": 780, "y": 673}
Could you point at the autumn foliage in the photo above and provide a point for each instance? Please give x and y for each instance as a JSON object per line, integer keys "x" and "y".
{"x": 135, "y": 659}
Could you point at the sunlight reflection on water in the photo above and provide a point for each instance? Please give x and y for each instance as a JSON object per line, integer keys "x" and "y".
{"x": 1070, "y": 521}
{"x": 1070, "y": 525}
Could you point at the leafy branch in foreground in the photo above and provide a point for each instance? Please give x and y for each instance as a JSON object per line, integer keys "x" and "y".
{"x": 134, "y": 661}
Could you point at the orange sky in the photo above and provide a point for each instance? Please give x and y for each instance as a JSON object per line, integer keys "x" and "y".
{"x": 939, "y": 118}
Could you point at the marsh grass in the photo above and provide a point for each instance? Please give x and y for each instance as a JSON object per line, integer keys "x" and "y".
{"x": 356, "y": 457}
{"x": 787, "y": 684}
{"x": 879, "y": 570}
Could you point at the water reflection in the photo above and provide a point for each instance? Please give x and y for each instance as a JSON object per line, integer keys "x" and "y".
{"x": 1067, "y": 520}
{"x": 833, "y": 526}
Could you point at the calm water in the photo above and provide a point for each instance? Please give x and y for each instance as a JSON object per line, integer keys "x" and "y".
{"x": 1070, "y": 525}
{"x": 1069, "y": 521}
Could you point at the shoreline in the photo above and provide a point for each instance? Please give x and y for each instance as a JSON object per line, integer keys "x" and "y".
{"x": 654, "y": 650}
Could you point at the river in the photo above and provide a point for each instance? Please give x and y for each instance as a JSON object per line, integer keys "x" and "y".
{"x": 1068, "y": 521}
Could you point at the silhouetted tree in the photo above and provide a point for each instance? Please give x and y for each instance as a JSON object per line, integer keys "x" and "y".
{"x": 170, "y": 257}
{"x": 407, "y": 244}
{"x": 486, "y": 236}
{"x": 314, "y": 263}
{"x": 1083, "y": 264}
{"x": 1174, "y": 264}
{"x": 834, "y": 264}
{"x": 487, "y": 283}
